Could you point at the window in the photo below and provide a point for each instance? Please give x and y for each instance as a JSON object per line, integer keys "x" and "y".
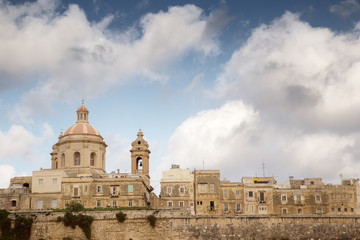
{"x": 182, "y": 190}
{"x": 76, "y": 191}
{"x": 92, "y": 159}
{"x": 345, "y": 209}
{"x": 76, "y": 158}
{"x": 168, "y": 190}
{"x": 251, "y": 208}
{"x": 262, "y": 197}
{"x": 63, "y": 160}
{"x": 352, "y": 209}
{"x": 333, "y": 209}
{"x": 262, "y": 208}
{"x": 332, "y": 196}
{"x": 41, "y": 181}
{"x": 181, "y": 204}
{"x": 344, "y": 195}
{"x": 339, "y": 209}
{"x": 191, "y": 190}
{"x": 40, "y": 204}
{"x": 130, "y": 188}
{"x": 212, "y": 205}
{"x": 238, "y": 207}
{"x": 350, "y": 195}
{"x": 113, "y": 190}
{"x": 98, "y": 189}
{"x": 202, "y": 187}
{"x": 226, "y": 207}
{"x": 237, "y": 193}
{"x": 114, "y": 203}
{"x": 53, "y": 203}
{"x": 98, "y": 203}
{"x": 130, "y": 203}
{"x": 212, "y": 187}
{"x": 284, "y": 198}
{"x": 299, "y": 198}
{"x": 284, "y": 211}
{"x": 251, "y": 194}
{"x": 13, "y": 203}
{"x": 225, "y": 193}
{"x": 311, "y": 183}
{"x": 54, "y": 181}
{"x": 85, "y": 188}
{"x": 317, "y": 198}
{"x": 169, "y": 203}
{"x": 199, "y": 202}
{"x": 191, "y": 204}
{"x": 299, "y": 211}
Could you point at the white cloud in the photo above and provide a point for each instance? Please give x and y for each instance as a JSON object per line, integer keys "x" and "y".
{"x": 69, "y": 58}
{"x": 345, "y": 8}
{"x": 297, "y": 74}
{"x": 6, "y": 172}
{"x": 299, "y": 107}
{"x": 19, "y": 142}
{"x": 235, "y": 139}
{"x": 117, "y": 153}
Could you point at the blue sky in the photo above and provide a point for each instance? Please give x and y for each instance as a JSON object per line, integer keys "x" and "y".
{"x": 225, "y": 85}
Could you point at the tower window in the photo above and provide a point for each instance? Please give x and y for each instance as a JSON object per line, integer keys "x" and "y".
{"x": 139, "y": 163}
{"x": 92, "y": 159}
{"x": 63, "y": 160}
{"x": 139, "y": 142}
{"x": 76, "y": 158}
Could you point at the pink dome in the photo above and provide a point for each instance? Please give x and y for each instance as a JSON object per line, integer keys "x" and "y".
{"x": 82, "y": 108}
{"x": 81, "y": 128}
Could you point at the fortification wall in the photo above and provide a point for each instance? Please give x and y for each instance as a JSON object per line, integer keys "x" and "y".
{"x": 181, "y": 225}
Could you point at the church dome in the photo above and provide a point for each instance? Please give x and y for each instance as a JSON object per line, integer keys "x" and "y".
{"x": 81, "y": 128}
{"x": 82, "y": 125}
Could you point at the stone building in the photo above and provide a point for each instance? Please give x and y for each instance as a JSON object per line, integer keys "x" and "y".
{"x": 78, "y": 174}
{"x": 256, "y": 195}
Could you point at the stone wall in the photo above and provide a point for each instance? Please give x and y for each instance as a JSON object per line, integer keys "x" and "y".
{"x": 180, "y": 225}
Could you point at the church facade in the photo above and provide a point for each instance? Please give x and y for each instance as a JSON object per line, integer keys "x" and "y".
{"x": 78, "y": 174}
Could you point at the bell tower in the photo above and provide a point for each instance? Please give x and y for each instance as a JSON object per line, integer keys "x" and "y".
{"x": 140, "y": 155}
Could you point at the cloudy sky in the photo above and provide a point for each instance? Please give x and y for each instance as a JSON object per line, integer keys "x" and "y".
{"x": 229, "y": 85}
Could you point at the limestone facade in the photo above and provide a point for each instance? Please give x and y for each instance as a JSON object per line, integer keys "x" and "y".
{"x": 78, "y": 174}
{"x": 256, "y": 195}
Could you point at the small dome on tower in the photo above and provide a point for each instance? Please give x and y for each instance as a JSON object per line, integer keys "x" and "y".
{"x": 82, "y": 125}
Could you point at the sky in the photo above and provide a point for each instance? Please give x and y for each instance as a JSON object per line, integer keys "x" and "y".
{"x": 251, "y": 88}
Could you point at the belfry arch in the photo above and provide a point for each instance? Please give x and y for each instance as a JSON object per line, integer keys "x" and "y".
{"x": 140, "y": 155}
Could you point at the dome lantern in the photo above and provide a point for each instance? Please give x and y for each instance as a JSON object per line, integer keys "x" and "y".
{"x": 82, "y": 114}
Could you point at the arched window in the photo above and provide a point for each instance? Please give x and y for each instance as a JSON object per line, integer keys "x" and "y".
{"x": 139, "y": 163}
{"x": 63, "y": 160}
{"x": 56, "y": 165}
{"x": 13, "y": 203}
{"x": 92, "y": 159}
{"x": 76, "y": 158}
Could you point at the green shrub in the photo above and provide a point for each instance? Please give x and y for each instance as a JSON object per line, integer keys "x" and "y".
{"x": 22, "y": 228}
{"x": 152, "y": 220}
{"x": 74, "y": 206}
{"x": 83, "y": 221}
{"x": 5, "y": 225}
{"x": 121, "y": 217}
